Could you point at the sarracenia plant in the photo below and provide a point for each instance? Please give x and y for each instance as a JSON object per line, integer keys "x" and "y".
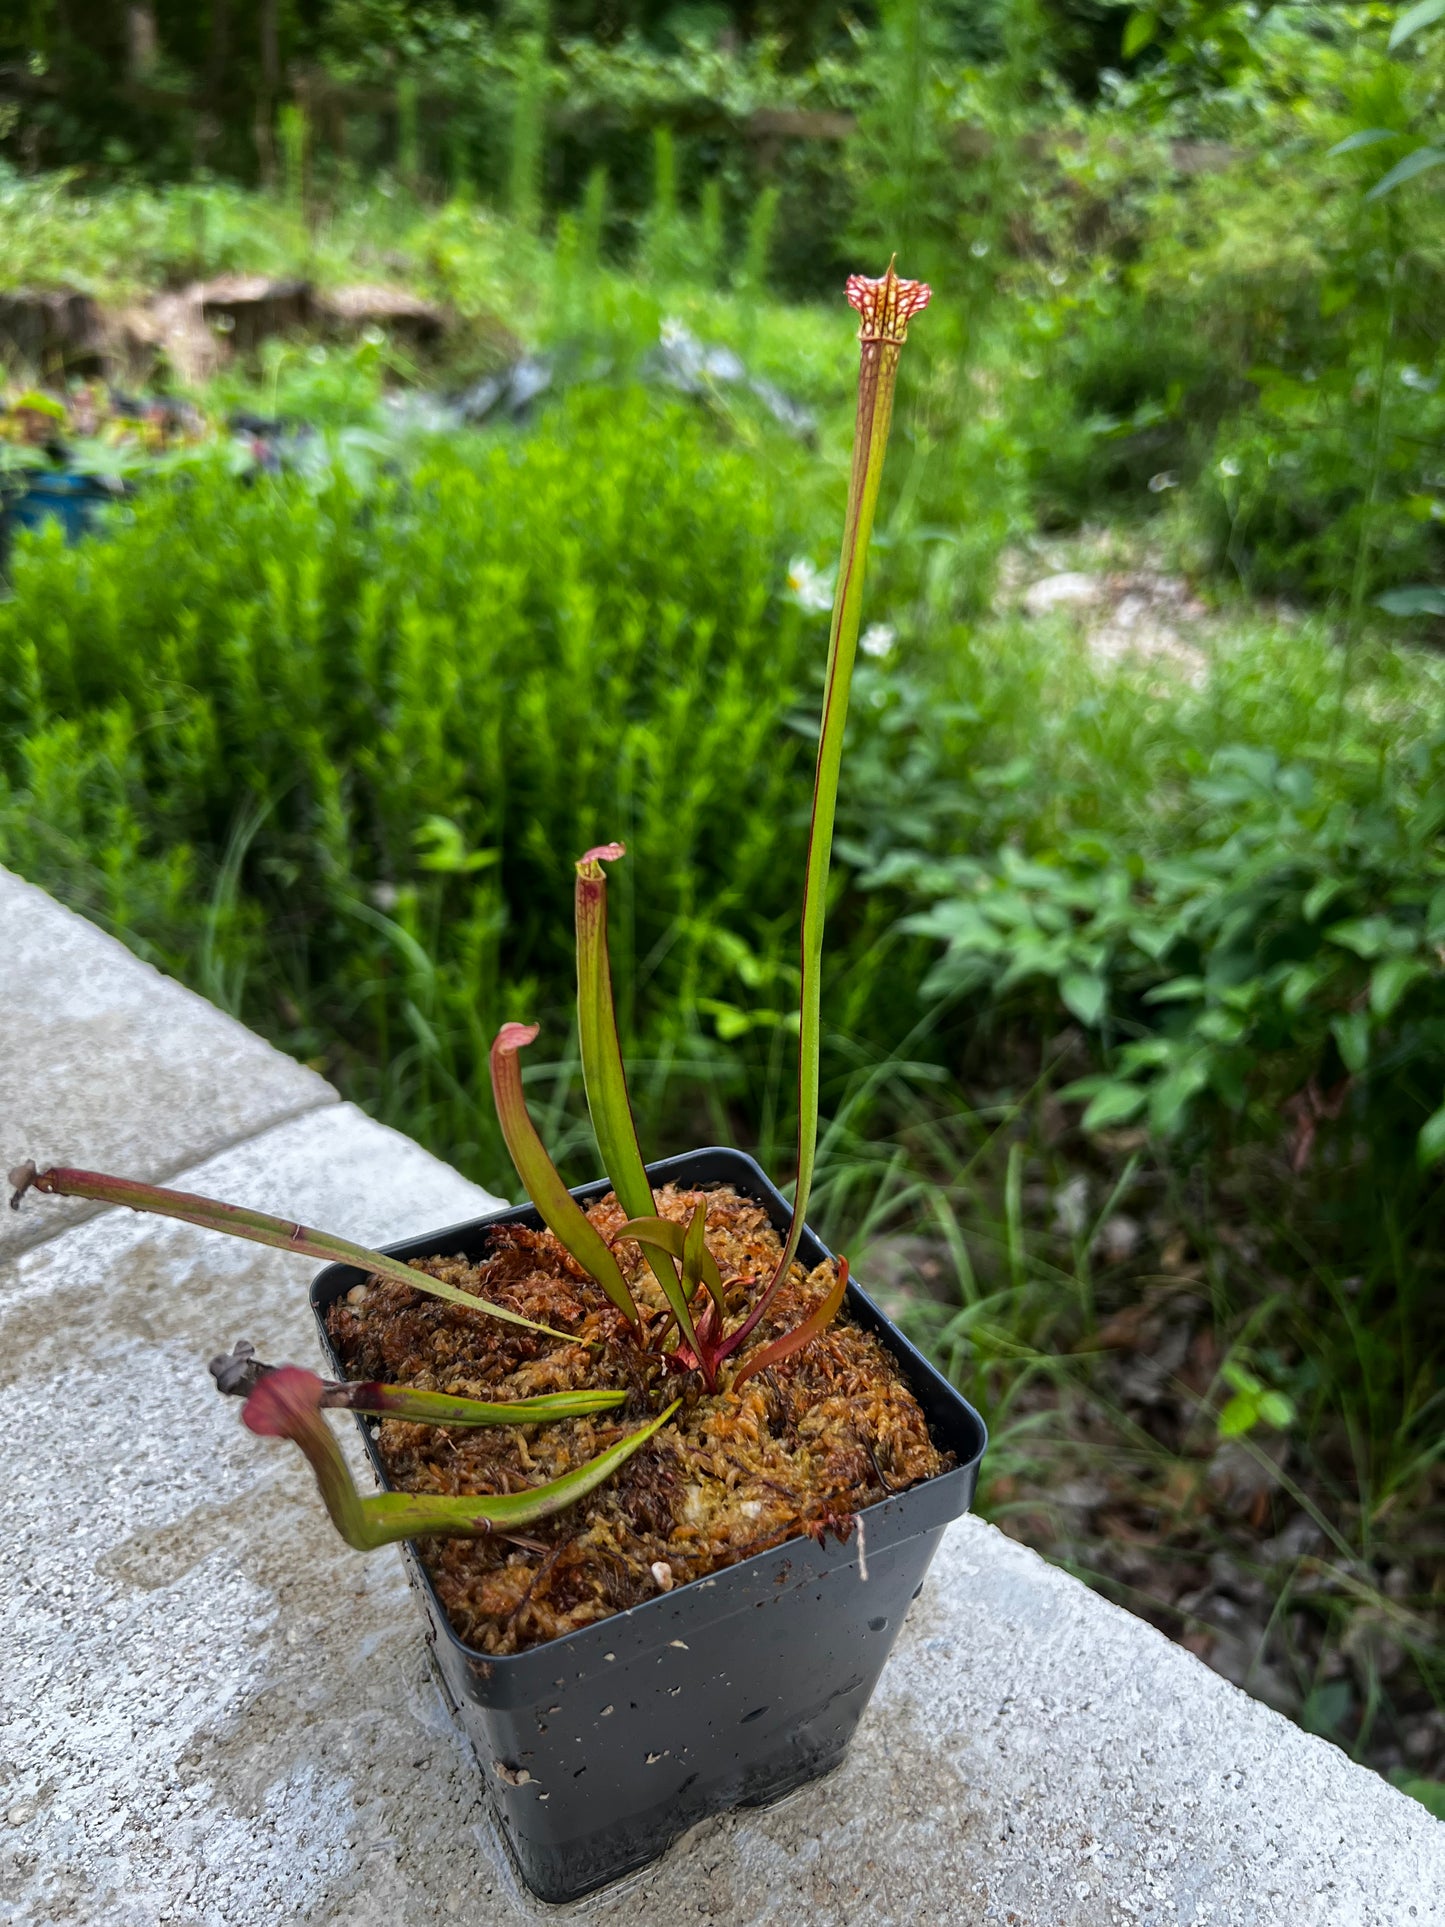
{"x": 691, "y": 1335}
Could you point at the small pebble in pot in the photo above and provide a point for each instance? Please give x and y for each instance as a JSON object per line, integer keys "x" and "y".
{"x": 662, "y": 1573}
{"x": 356, "y": 1295}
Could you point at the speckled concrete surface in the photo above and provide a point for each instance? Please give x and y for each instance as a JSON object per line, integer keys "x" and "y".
{"x": 106, "y": 1063}
{"x": 213, "y": 1713}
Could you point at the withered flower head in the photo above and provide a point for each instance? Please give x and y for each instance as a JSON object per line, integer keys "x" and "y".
{"x": 886, "y": 305}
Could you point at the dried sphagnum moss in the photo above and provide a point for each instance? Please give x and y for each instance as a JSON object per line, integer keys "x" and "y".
{"x": 801, "y": 1448}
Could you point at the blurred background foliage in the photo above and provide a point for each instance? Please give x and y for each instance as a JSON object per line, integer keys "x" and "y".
{"x": 1135, "y": 1017}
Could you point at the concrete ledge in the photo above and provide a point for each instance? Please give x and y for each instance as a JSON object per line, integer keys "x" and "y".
{"x": 214, "y": 1714}
{"x": 108, "y": 1064}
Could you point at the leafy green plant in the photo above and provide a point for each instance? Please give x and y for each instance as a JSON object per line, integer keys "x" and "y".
{"x": 1251, "y": 1403}
{"x": 1284, "y": 962}
{"x": 692, "y": 1336}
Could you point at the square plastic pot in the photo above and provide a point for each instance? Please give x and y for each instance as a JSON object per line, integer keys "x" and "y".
{"x": 602, "y": 1747}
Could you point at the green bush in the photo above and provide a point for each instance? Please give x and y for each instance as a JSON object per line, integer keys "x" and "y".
{"x": 1297, "y": 501}
{"x": 1238, "y": 892}
{"x": 365, "y": 718}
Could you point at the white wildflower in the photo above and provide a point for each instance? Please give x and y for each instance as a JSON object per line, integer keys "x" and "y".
{"x": 809, "y": 586}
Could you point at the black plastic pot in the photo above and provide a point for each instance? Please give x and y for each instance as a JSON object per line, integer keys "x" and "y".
{"x": 602, "y": 1747}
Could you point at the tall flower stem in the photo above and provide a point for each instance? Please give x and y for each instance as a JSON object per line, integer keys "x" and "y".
{"x": 885, "y": 307}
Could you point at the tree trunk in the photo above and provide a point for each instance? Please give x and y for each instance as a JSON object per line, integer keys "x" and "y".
{"x": 266, "y": 93}
{"x": 142, "y": 42}
{"x": 218, "y": 51}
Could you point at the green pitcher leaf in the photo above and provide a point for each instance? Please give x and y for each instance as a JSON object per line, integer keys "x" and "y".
{"x": 446, "y": 1408}
{"x": 560, "y": 1211}
{"x": 258, "y": 1228}
{"x": 288, "y": 1402}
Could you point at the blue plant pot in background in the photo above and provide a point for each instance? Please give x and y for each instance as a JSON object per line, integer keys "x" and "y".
{"x": 58, "y": 494}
